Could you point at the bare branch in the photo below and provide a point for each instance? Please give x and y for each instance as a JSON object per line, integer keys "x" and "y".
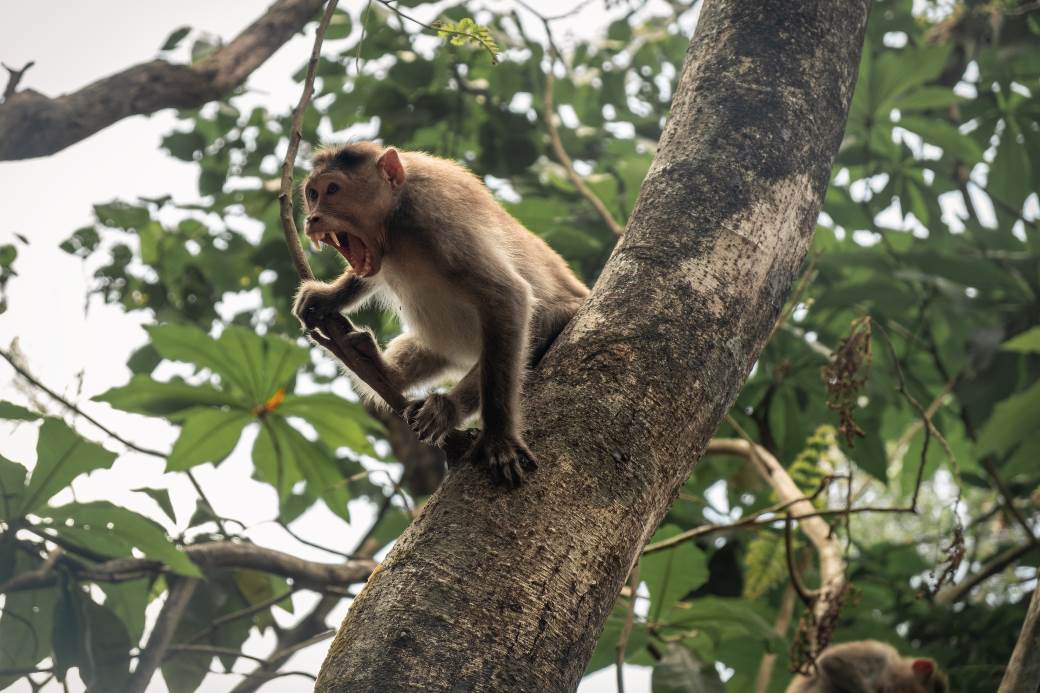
{"x": 320, "y": 577}
{"x": 997, "y": 564}
{"x": 568, "y": 164}
{"x": 152, "y": 656}
{"x": 15, "y": 76}
{"x": 32, "y": 124}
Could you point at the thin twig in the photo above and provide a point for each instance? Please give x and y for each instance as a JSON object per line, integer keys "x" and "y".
{"x": 626, "y": 627}
{"x": 14, "y": 77}
{"x": 568, "y": 164}
{"x": 490, "y": 48}
{"x": 242, "y": 613}
{"x": 995, "y": 565}
{"x": 1009, "y": 500}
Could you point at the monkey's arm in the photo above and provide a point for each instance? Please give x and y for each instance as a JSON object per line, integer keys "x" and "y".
{"x": 316, "y": 300}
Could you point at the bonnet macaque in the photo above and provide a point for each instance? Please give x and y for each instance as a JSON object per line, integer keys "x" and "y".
{"x": 478, "y": 294}
{"x": 869, "y": 666}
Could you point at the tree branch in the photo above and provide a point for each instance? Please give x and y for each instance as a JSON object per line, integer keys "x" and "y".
{"x": 14, "y": 77}
{"x": 320, "y": 577}
{"x": 32, "y": 124}
{"x": 997, "y": 564}
{"x": 565, "y": 160}
{"x": 152, "y": 656}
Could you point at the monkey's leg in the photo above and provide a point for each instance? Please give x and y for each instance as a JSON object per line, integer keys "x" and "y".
{"x": 437, "y": 415}
{"x": 406, "y": 361}
{"x": 504, "y": 325}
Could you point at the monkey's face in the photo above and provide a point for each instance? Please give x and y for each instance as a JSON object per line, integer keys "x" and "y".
{"x": 348, "y": 211}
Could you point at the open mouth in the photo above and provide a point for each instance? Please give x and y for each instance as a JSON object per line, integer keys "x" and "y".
{"x": 350, "y": 247}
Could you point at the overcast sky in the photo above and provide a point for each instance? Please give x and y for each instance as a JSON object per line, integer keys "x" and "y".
{"x": 80, "y": 349}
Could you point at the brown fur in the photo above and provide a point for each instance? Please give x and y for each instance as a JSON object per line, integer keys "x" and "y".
{"x": 477, "y": 293}
{"x": 869, "y": 666}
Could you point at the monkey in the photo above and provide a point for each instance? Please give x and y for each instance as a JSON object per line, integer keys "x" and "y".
{"x": 869, "y": 666}
{"x": 477, "y": 293}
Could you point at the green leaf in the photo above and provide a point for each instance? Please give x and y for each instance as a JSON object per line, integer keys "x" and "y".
{"x": 106, "y": 645}
{"x": 282, "y": 455}
{"x": 897, "y": 71}
{"x": 67, "y": 630}
{"x": 189, "y": 343}
{"x": 681, "y": 671}
{"x": 605, "y": 653}
{"x": 723, "y": 619}
{"x": 672, "y": 573}
{"x": 942, "y": 134}
{"x": 13, "y": 412}
{"x": 162, "y": 497}
{"x": 1026, "y": 342}
{"x": 128, "y": 600}
{"x": 339, "y": 26}
{"x": 25, "y": 622}
{"x": 339, "y": 422}
{"x": 208, "y": 435}
{"x": 175, "y": 37}
{"x": 927, "y": 98}
{"x": 12, "y": 486}
{"x": 114, "y": 531}
{"x": 1010, "y": 179}
{"x": 61, "y": 456}
{"x": 142, "y": 395}
{"x": 122, "y": 215}
{"x": 1013, "y": 420}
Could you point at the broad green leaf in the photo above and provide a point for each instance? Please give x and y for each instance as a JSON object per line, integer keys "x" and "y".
{"x": 12, "y": 487}
{"x": 927, "y": 98}
{"x": 128, "y": 600}
{"x": 106, "y": 649}
{"x": 189, "y": 343}
{"x": 175, "y": 37}
{"x": 142, "y": 395}
{"x": 1026, "y": 342}
{"x": 944, "y": 135}
{"x": 672, "y": 573}
{"x": 339, "y": 26}
{"x": 282, "y": 456}
{"x": 61, "y": 456}
{"x": 680, "y": 671}
{"x": 25, "y": 622}
{"x": 339, "y": 422}
{"x": 162, "y": 497}
{"x": 1010, "y": 176}
{"x": 725, "y": 618}
{"x": 67, "y": 629}
{"x": 282, "y": 359}
{"x": 114, "y": 531}
{"x": 13, "y": 412}
{"x": 122, "y": 215}
{"x": 1012, "y": 421}
{"x": 897, "y": 71}
{"x": 207, "y": 435}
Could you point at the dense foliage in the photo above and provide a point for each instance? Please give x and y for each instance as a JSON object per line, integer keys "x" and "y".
{"x": 919, "y": 301}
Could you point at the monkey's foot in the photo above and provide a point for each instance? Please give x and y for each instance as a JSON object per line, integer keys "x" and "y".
{"x": 506, "y": 456}
{"x": 432, "y": 418}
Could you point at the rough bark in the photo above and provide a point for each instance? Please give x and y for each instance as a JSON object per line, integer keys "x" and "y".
{"x": 32, "y": 124}
{"x": 493, "y": 590}
{"x": 1023, "y": 670}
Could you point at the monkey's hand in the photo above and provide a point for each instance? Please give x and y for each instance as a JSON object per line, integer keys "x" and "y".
{"x": 315, "y": 301}
{"x": 506, "y": 456}
{"x": 432, "y": 418}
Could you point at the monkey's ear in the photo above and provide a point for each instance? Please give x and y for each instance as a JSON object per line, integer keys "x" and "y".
{"x": 391, "y": 167}
{"x": 923, "y": 669}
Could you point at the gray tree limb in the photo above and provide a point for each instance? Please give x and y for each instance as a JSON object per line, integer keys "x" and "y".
{"x": 492, "y": 589}
{"x": 32, "y": 124}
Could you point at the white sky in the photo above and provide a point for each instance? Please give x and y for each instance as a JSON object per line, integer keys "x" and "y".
{"x": 64, "y": 340}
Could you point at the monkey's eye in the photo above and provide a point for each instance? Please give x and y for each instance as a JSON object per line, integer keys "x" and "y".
{"x": 332, "y": 189}
{"x": 312, "y": 194}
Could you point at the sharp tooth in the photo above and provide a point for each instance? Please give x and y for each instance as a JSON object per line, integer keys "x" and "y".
{"x": 315, "y": 244}
{"x": 335, "y": 240}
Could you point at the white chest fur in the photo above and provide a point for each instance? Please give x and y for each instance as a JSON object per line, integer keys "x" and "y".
{"x": 431, "y": 308}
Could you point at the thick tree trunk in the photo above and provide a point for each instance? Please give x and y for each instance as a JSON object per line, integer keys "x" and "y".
{"x": 494, "y": 590}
